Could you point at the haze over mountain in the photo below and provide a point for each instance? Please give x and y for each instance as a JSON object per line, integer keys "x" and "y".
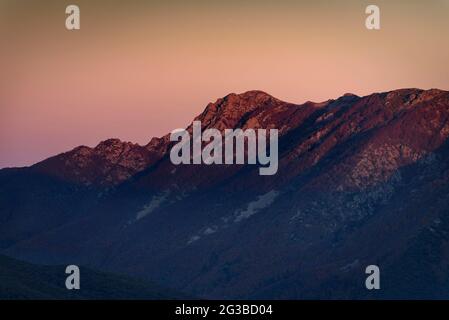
{"x": 361, "y": 180}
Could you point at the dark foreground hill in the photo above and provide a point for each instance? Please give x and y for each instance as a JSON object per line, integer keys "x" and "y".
{"x": 21, "y": 280}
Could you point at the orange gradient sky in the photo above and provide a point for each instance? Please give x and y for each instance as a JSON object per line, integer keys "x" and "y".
{"x": 139, "y": 69}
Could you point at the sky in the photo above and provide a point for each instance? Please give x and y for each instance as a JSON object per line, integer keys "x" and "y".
{"x": 138, "y": 69}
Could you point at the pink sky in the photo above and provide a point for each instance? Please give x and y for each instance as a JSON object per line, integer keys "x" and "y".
{"x": 138, "y": 70}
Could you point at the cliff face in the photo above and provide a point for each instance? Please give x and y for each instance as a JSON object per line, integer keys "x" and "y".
{"x": 361, "y": 180}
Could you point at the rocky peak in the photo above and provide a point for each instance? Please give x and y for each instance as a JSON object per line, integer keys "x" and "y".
{"x": 111, "y": 162}
{"x": 111, "y": 143}
{"x": 228, "y": 111}
{"x": 113, "y": 149}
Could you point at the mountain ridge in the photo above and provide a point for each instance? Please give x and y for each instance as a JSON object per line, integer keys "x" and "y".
{"x": 113, "y": 161}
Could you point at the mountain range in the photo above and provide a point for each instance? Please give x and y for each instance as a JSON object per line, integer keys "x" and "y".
{"x": 361, "y": 181}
